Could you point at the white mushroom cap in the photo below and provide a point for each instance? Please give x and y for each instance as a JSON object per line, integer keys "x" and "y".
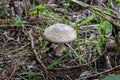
{"x": 60, "y": 33}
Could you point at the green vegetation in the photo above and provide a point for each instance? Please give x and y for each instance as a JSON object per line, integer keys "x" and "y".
{"x": 112, "y": 77}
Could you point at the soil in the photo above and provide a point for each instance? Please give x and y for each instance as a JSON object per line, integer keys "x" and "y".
{"x": 26, "y": 55}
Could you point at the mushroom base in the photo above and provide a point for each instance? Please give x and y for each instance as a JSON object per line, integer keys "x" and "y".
{"x": 60, "y": 48}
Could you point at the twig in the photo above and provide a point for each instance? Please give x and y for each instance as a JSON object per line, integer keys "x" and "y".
{"x": 13, "y": 4}
{"x": 98, "y": 1}
{"x": 35, "y": 52}
{"x": 25, "y": 8}
{"x": 51, "y": 1}
{"x": 108, "y": 62}
{"x": 18, "y": 49}
{"x": 22, "y": 77}
{"x": 108, "y": 70}
{"x": 68, "y": 77}
{"x": 13, "y": 71}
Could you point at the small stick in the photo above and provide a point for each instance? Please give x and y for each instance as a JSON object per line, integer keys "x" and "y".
{"x": 13, "y": 71}
{"x": 13, "y": 4}
{"x": 68, "y": 77}
{"x": 108, "y": 62}
{"x": 25, "y": 7}
{"x": 35, "y": 52}
{"x": 51, "y": 1}
{"x": 108, "y": 70}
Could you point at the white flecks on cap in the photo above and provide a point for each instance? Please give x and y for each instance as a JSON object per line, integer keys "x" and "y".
{"x": 60, "y": 33}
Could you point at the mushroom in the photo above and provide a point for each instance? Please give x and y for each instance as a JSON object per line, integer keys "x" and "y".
{"x": 60, "y": 33}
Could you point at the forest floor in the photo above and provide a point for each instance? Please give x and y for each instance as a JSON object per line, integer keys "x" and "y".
{"x": 26, "y": 55}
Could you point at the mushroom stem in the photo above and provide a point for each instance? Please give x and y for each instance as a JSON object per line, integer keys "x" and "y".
{"x": 60, "y": 48}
